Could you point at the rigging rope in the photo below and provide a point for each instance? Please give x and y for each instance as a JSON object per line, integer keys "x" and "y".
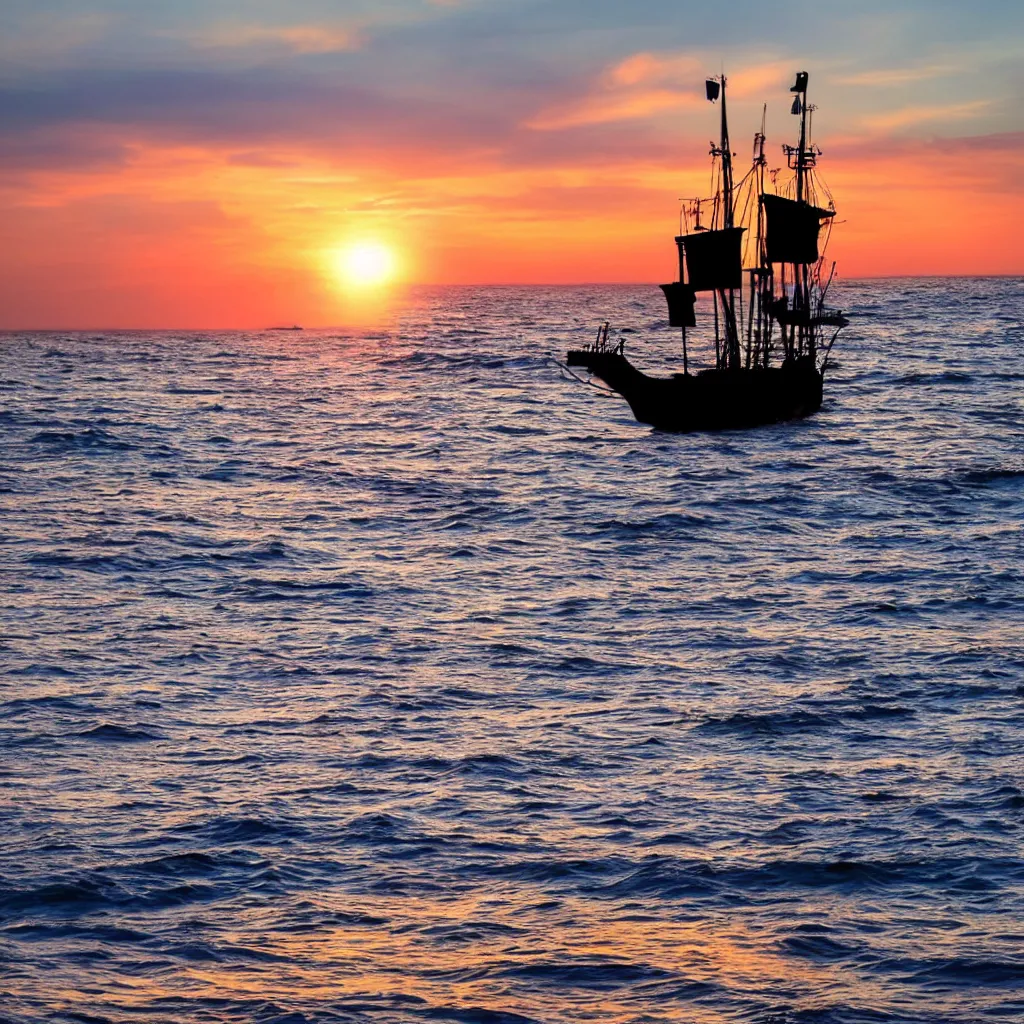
{"x": 596, "y": 387}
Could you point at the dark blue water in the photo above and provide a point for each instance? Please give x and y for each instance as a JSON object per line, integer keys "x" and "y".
{"x": 386, "y": 676}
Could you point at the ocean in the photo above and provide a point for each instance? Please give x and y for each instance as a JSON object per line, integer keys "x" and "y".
{"x": 391, "y": 676}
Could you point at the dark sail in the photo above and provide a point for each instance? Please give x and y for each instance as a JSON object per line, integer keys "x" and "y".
{"x": 792, "y": 235}
{"x": 713, "y": 259}
{"x": 681, "y": 298}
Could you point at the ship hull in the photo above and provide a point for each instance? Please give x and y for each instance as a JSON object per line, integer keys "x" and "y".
{"x": 712, "y": 399}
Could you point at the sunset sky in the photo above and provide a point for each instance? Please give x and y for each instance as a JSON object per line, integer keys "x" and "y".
{"x": 210, "y": 163}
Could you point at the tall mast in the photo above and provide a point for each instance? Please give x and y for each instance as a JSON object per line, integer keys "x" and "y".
{"x": 801, "y": 336}
{"x": 801, "y": 160}
{"x": 726, "y": 155}
{"x": 727, "y": 298}
{"x": 756, "y": 336}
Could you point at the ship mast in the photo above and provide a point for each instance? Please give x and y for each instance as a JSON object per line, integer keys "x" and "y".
{"x": 727, "y": 297}
{"x": 803, "y": 343}
{"x": 726, "y": 154}
{"x": 800, "y": 107}
{"x": 757, "y": 320}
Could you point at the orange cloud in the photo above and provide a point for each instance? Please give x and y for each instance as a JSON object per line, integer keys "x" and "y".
{"x": 645, "y": 85}
{"x": 601, "y": 109}
{"x": 687, "y": 71}
{"x": 636, "y": 88}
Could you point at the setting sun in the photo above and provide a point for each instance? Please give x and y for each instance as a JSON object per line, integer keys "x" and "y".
{"x": 365, "y": 265}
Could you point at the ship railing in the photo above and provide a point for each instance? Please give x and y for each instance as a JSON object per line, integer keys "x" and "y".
{"x": 803, "y": 317}
{"x": 601, "y": 345}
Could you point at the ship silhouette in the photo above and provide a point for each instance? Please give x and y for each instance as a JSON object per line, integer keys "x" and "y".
{"x": 761, "y": 257}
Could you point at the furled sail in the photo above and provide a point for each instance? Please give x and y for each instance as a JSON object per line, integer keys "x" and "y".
{"x": 681, "y": 298}
{"x": 792, "y": 235}
{"x": 713, "y": 259}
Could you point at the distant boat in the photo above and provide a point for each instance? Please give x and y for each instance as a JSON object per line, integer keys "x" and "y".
{"x": 773, "y": 332}
{"x": 294, "y": 327}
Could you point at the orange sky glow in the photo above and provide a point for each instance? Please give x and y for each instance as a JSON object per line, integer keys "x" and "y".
{"x": 228, "y": 209}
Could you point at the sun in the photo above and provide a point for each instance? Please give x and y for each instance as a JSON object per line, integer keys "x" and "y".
{"x": 365, "y": 265}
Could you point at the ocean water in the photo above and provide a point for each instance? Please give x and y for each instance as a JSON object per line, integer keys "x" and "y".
{"x": 390, "y": 676}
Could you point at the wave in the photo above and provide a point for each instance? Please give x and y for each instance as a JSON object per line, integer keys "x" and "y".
{"x": 107, "y": 733}
{"x": 991, "y": 476}
{"x": 92, "y": 439}
{"x": 772, "y": 723}
{"x": 599, "y": 976}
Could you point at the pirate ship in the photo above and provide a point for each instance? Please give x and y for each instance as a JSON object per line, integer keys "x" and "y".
{"x": 761, "y": 258}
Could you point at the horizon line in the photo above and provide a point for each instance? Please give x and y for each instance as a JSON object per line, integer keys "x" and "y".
{"x": 496, "y": 284}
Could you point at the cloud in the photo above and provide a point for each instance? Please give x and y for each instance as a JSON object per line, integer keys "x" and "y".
{"x": 308, "y": 38}
{"x": 241, "y": 107}
{"x": 634, "y": 105}
{"x": 760, "y": 81}
{"x": 646, "y": 68}
{"x": 83, "y": 150}
{"x": 982, "y": 164}
{"x": 691, "y": 68}
{"x": 647, "y": 84}
{"x": 915, "y": 115}
{"x": 884, "y": 77}
{"x": 638, "y": 87}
